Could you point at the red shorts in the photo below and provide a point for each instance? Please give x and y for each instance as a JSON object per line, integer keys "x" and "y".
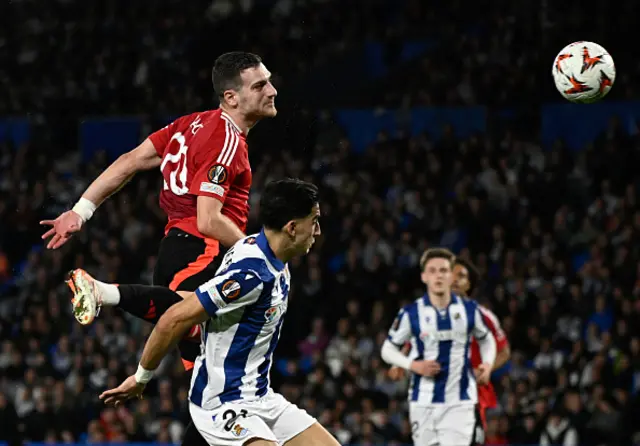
{"x": 482, "y": 414}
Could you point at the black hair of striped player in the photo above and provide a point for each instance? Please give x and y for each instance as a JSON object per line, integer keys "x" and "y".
{"x": 474, "y": 274}
{"x": 227, "y": 68}
{"x": 286, "y": 200}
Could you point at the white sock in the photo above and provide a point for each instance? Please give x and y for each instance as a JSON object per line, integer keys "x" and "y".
{"x": 110, "y": 293}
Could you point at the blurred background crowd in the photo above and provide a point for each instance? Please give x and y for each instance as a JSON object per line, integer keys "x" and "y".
{"x": 553, "y": 231}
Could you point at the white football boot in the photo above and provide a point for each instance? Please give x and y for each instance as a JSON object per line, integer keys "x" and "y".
{"x": 87, "y": 298}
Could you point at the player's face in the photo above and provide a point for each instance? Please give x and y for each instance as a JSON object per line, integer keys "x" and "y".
{"x": 257, "y": 96}
{"x": 306, "y": 231}
{"x": 461, "y": 282}
{"x": 437, "y": 276}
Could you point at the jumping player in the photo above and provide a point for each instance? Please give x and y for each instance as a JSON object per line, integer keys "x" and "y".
{"x": 443, "y": 392}
{"x": 204, "y": 161}
{"x": 243, "y": 309}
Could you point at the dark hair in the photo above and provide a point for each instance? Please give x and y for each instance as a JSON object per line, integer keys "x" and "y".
{"x": 436, "y": 253}
{"x": 227, "y": 68}
{"x": 286, "y": 200}
{"x": 474, "y": 274}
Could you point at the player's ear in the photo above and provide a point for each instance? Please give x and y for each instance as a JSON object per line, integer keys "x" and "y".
{"x": 423, "y": 277}
{"x": 230, "y": 97}
{"x": 290, "y": 228}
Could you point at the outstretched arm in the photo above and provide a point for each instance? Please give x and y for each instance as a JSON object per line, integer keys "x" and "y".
{"x": 210, "y": 300}
{"x": 171, "y": 327}
{"x": 143, "y": 157}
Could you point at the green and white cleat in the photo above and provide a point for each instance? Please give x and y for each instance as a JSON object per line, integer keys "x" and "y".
{"x": 87, "y": 298}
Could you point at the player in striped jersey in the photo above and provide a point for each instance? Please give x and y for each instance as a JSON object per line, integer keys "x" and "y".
{"x": 242, "y": 308}
{"x": 439, "y": 325}
{"x": 465, "y": 280}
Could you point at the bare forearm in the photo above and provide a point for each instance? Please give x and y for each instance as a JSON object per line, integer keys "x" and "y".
{"x": 111, "y": 180}
{"x": 164, "y": 337}
{"x": 221, "y": 228}
{"x": 501, "y": 358}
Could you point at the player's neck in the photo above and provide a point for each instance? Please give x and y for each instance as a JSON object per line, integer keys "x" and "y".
{"x": 279, "y": 245}
{"x": 243, "y": 122}
{"x": 440, "y": 300}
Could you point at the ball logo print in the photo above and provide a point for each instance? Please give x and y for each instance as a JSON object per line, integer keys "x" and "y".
{"x": 583, "y": 72}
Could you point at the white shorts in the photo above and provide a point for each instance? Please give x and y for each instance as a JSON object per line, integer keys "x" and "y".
{"x": 442, "y": 425}
{"x": 271, "y": 418}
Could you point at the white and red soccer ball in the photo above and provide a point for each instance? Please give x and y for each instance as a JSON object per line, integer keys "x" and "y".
{"x": 583, "y": 72}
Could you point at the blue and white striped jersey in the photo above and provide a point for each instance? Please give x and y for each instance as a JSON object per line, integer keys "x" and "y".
{"x": 247, "y": 300}
{"x": 443, "y": 336}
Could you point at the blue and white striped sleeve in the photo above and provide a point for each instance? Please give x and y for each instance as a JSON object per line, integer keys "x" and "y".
{"x": 233, "y": 289}
{"x": 480, "y": 329}
{"x": 400, "y": 331}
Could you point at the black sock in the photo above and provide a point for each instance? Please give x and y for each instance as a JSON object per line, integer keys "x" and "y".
{"x": 147, "y": 302}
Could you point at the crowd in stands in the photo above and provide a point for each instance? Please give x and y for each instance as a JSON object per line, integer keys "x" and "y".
{"x": 554, "y": 232}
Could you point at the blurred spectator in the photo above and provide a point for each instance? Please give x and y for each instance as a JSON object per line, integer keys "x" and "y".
{"x": 559, "y": 431}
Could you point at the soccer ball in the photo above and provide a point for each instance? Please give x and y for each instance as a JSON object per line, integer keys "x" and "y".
{"x": 583, "y": 72}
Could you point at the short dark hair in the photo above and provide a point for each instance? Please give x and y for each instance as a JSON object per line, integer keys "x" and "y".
{"x": 227, "y": 68}
{"x": 436, "y": 253}
{"x": 474, "y": 274}
{"x": 286, "y": 200}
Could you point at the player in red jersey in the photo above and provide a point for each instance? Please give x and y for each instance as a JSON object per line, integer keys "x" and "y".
{"x": 204, "y": 162}
{"x": 465, "y": 279}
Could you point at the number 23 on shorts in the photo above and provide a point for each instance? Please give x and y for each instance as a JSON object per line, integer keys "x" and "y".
{"x": 230, "y": 417}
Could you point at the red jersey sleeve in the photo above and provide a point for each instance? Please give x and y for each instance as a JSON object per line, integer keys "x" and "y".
{"x": 160, "y": 138}
{"x": 492, "y": 322}
{"x": 213, "y": 179}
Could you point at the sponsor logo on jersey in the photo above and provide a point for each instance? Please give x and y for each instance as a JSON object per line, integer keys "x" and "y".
{"x": 212, "y": 188}
{"x": 271, "y": 314}
{"x": 444, "y": 335}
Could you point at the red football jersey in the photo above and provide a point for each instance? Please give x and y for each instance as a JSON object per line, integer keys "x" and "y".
{"x": 486, "y": 394}
{"x": 203, "y": 154}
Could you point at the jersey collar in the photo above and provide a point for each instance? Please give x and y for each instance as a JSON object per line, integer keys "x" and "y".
{"x": 230, "y": 120}
{"x": 454, "y": 299}
{"x": 263, "y": 244}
